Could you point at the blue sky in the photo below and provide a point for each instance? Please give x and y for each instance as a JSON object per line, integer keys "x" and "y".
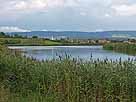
{"x": 60, "y": 15}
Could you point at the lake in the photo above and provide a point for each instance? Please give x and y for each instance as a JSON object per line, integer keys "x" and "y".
{"x": 83, "y": 52}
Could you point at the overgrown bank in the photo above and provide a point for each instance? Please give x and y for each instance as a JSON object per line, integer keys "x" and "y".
{"x": 65, "y": 79}
{"x": 18, "y": 40}
{"x": 121, "y": 47}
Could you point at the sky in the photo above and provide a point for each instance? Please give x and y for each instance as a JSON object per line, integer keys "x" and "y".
{"x": 67, "y": 15}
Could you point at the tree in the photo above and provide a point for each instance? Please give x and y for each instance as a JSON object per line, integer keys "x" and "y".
{"x": 2, "y": 34}
{"x": 17, "y": 36}
{"x": 34, "y": 37}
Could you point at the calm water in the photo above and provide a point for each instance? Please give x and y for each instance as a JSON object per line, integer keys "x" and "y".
{"x": 84, "y": 52}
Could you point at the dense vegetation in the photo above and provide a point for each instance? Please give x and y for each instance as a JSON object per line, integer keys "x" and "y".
{"x": 122, "y": 47}
{"x": 65, "y": 80}
{"x": 18, "y": 40}
{"x": 28, "y": 42}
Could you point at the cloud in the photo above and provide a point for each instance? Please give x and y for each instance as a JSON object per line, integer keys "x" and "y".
{"x": 108, "y": 15}
{"x": 36, "y": 5}
{"x": 21, "y": 7}
{"x": 71, "y": 3}
{"x": 12, "y": 29}
{"x": 68, "y": 14}
{"x": 44, "y": 30}
{"x": 83, "y": 13}
{"x": 125, "y": 10}
{"x": 27, "y": 6}
{"x": 15, "y": 7}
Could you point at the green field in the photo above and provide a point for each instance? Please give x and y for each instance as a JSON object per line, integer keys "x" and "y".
{"x": 38, "y": 42}
{"x": 18, "y": 40}
{"x": 65, "y": 80}
{"x": 28, "y": 41}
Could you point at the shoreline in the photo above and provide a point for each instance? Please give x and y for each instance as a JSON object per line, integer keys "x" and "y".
{"x": 49, "y": 47}
{"x": 56, "y": 45}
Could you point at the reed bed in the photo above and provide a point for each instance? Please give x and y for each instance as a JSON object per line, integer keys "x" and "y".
{"x": 65, "y": 80}
{"x": 128, "y": 48}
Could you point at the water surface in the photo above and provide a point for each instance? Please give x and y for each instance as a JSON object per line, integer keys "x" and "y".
{"x": 84, "y": 52}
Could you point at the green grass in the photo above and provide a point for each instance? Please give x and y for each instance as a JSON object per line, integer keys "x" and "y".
{"x": 28, "y": 41}
{"x": 13, "y": 41}
{"x": 121, "y": 47}
{"x": 65, "y": 79}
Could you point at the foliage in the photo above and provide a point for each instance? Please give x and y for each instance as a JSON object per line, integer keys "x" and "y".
{"x": 17, "y": 36}
{"x": 34, "y": 36}
{"x": 3, "y": 35}
{"x": 27, "y": 41}
{"x": 65, "y": 79}
{"x": 20, "y": 40}
{"x": 121, "y": 47}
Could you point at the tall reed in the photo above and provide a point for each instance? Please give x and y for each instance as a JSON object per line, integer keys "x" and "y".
{"x": 66, "y": 79}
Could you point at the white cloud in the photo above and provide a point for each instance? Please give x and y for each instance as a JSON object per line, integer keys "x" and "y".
{"x": 72, "y": 3}
{"x": 30, "y": 5}
{"x": 99, "y": 30}
{"x": 17, "y": 6}
{"x": 83, "y": 13}
{"x": 12, "y": 29}
{"x": 36, "y": 5}
{"x": 107, "y": 15}
{"x": 44, "y": 30}
{"x": 71, "y": 14}
{"x": 125, "y": 10}
{"x": 55, "y": 3}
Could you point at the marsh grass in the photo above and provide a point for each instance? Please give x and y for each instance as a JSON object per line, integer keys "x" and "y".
{"x": 126, "y": 48}
{"x": 65, "y": 79}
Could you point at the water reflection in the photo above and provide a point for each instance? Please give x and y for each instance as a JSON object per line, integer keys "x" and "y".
{"x": 84, "y": 52}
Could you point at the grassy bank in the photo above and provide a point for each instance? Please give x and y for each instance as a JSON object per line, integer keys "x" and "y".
{"x": 39, "y": 42}
{"x": 121, "y": 47}
{"x": 65, "y": 80}
{"x": 28, "y": 42}
{"x": 18, "y": 40}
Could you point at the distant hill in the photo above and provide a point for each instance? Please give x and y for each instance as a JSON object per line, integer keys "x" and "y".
{"x": 80, "y": 35}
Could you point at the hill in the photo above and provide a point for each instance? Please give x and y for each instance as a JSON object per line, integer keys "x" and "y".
{"x": 77, "y": 34}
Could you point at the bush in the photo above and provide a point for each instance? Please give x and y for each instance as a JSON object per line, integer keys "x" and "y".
{"x": 35, "y": 37}
{"x": 121, "y": 47}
